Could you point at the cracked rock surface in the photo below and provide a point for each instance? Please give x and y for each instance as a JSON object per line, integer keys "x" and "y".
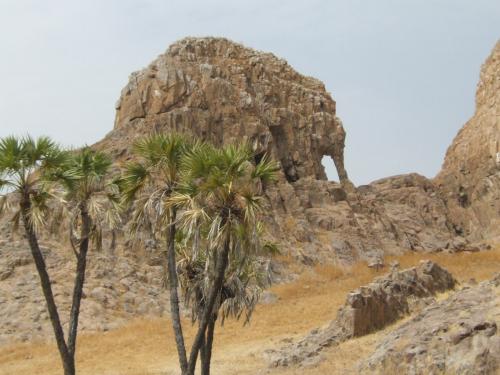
{"x": 368, "y": 309}
{"x": 224, "y": 92}
{"x": 456, "y": 336}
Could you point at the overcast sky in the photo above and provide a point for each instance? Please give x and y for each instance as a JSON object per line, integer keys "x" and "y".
{"x": 403, "y": 73}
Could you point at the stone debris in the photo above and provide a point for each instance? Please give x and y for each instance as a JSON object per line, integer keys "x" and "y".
{"x": 117, "y": 289}
{"x": 456, "y": 336}
{"x": 368, "y": 309}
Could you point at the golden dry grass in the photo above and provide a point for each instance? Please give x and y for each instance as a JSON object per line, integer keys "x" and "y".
{"x": 146, "y": 347}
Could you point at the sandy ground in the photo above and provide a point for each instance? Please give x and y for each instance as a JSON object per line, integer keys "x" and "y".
{"x": 146, "y": 346}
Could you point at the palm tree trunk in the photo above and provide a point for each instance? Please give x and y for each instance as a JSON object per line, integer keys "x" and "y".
{"x": 199, "y": 313}
{"x": 112, "y": 247}
{"x": 79, "y": 279}
{"x": 202, "y": 352}
{"x": 174, "y": 296}
{"x": 66, "y": 358}
{"x": 207, "y": 349}
{"x": 207, "y": 314}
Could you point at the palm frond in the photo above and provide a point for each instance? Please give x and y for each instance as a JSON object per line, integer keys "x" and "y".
{"x": 271, "y": 248}
{"x": 134, "y": 180}
{"x": 5, "y": 204}
{"x": 266, "y": 170}
{"x": 39, "y": 209}
{"x": 96, "y": 237}
{"x": 6, "y": 185}
{"x": 10, "y": 155}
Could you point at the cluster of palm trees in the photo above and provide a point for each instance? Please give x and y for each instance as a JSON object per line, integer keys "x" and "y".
{"x": 203, "y": 202}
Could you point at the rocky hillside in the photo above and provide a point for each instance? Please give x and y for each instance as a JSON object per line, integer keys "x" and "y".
{"x": 118, "y": 288}
{"x": 368, "y": 309}
{"x": 224, "y": 92}
{"x": 470, "y": 177}
{"x": 455, "y": 332}
{"x": 456, "y": 336}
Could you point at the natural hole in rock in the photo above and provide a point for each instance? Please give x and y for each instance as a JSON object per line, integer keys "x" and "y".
{"x": 330, "y": 170}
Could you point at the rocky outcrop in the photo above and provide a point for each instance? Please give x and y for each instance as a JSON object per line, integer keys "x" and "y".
{"x": 406, "y": 212}
{"x": 223, "y": 92}
{"x": 370, "y": 308}
{"x": 470, "y": 177}
{"x": 117, "y": 289}
{"x": 456, "y": 336}
{"x": 389, "y": 298}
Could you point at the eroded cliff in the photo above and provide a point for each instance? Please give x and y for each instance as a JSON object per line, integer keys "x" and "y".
{"x": 223, "y": 92}
{"x": 470, "y": 177}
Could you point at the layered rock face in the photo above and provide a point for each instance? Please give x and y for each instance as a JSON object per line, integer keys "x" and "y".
{"x": 117, "y": 288}
{"x": 388, "y": 299}
{"x": 456, "y": 336}
{"x": 369, "y": 308}
{"x": 470, "y": 177}
{"x": 223, "y": 92}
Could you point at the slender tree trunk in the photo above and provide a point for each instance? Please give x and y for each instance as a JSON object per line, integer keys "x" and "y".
{"x": 203, "y": 352}
{"x": 174, "y": 296}
{"x": 206, "y": 349}
{"x": 79, "y": 279}
{"x": 207, "y": 352}
{"x": 66, "y": 358}
{"x": 207, "y": 314}
{"x": 112, "y": 247}
{"x": 199, "y": 297}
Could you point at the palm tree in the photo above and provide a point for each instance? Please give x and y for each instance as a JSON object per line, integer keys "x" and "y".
{"x": 92, "y": 201}
{"x": 37, "y": 174}
{"x": 25, "y": 165}
{"x": 246, "y": 276}
{"x": 220, "y": 197}
{"x": 148, "y": 183}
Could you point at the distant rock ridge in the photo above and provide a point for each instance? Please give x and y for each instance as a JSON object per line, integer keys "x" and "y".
{"x": 470, "y": 177}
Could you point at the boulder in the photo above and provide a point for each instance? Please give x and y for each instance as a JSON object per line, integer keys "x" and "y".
{"x": 456, "y": 336}
{"x": 389, "y": 298}
{"x": 369, "y": 308}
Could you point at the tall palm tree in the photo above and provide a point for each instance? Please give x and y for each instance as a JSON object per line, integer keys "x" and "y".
{"x": 25, "y": 165}
{"x": 221, "y": 189}
{"x": 45, "y": 182}
{"x": 92, "y": 201}
{"x": 147, "y": 184}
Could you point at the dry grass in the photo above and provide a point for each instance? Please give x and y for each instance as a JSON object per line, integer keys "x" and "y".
{"x": 146, "y": 347}
{"x": 463, "y": 266}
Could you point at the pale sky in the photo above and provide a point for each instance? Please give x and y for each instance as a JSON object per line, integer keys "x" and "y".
{"x": 403, "y": 72}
